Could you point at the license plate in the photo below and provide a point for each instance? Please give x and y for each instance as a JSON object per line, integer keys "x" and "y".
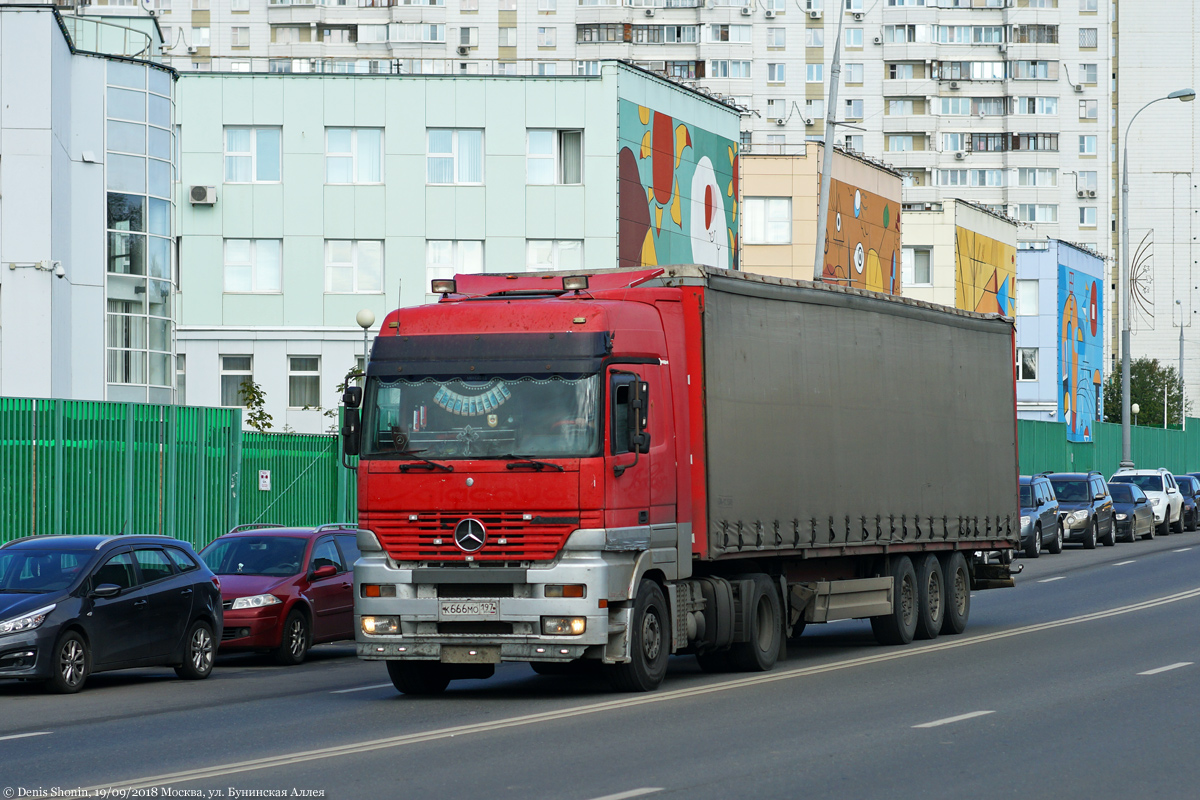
{"x": 471, "y": 608}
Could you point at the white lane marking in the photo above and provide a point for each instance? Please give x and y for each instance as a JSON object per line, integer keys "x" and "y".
{"x": 1181, "y": 550}
{"x": 363, "y": 688}
{"x": 1051, "y": 580}
{"x": 629, "y": 794}
{"x": 390, "y": 742}
{"x": 24, "y": 735}
{"x": 1167, "y": 668}
{"x": 1123, "y": 563}
{"x": 939, "y": 722}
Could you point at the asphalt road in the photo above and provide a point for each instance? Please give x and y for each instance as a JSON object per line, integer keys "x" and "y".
{"x": 1081, "y": 682}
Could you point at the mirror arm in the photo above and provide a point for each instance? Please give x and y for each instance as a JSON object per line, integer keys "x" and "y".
{"x": 619, "y": 469}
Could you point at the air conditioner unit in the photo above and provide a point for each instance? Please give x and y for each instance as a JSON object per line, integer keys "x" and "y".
{"x": 203, "y": 195}
{"x": 745, "y": 147}
{"x": 780, "y": 121}
{"x": 463, "y": 50}
{"x": 1003, "y": 48}
{"x": 960, "y": 155}
{"x": 878, "y": 40}
{"x": 808, "y": 121}
{"x": 746, "y": 11}
{"x": 649, "y": 12}
{"x": 1079, "y": 193}
{"x": 770, "y": 14}
{"x": 192, "y": 48}
{"x": 953, "y": 84}
{"x": 858, "y": 16}
{"x": 814, "y": 14}
{"x": 1079, "y": 88}
{"x": 1091, "y": 192}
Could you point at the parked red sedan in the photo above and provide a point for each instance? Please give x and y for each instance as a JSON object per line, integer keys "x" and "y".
{"x": 285, "y": 589}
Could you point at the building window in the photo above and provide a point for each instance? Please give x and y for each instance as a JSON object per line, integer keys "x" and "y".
{"x": 854, "y": 142}
{"x": 554, "y": 157}
{"x": 1089, "y": 109}
{"x": 814, "y": 37}
{"x": 854, "y": 38}
{"x": 1088, "y": 181}
{"x": 200, "y": 37}
{"x": 304, "y": 381}
{"x": 729, "y": 33}
{"x": 1087, "y": 145}
{"x": 234, "y": 5}
{"x": 353, "y": 267}
{"x": 776, "y": 73}
{"x": 508, "y": 37}
{"x": 455, "y": 156}
{"x": 1037, "y": 212}
{"x": 252, "y": 265}
{"x": 1088, "y": 38}
{"x": 547, "y": 254}
{"x": 914, "y": 266}
{"x": 1087, "y": 216}
{"x": 587, "y": 67}
{"x": 252, "y": 155}
{"x": 854, "y": 73}
{"x": 445, "y": 258}
{"x": 900, "y": 107}
{"x": 1027, "y": 298}
{"x": 899, "y": 143}
{"x": 239, "y": 37}
{"x": 547, "y": 5}
{"x": 235, "y": 372}
{"x": 768, "y": 220}
{"x": 1088, "y": 6}
{"x": 900, "y": 72}
{"x": 468, "y": 5}
{"x": 776, "y": 108}
{"x": 777, "y": 37}
{"x": 814, "y": 73}
{"x": 547, "y": 37}
{"x": 353, "y": 155}
{"x": 1088, "y": 73}
{"x": 854, "y": 109}
{"x": 1027, "y": 363}
{"x": 1037, "y": 176}
{"x": 729, "y": 69}
{"x": 547, "y": 68}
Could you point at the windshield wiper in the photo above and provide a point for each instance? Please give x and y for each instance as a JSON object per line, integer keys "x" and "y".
{"x": 524, "y": 461}
{"x": 425, "y": 462}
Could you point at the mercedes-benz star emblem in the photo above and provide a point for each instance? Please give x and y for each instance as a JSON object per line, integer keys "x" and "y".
{"x": 469, "y": 535}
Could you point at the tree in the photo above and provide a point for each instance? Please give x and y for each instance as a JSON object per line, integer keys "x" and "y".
{"x": 1147, "y": 377}
{"x": 255, "y": 400}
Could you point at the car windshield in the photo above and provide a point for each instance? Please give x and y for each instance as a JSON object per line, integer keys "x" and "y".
{"x": 485, "y": 417}
{"x": 1071, "y": 491}
{"x": 1026, "y": 496}
{"x": 1147, "y": 483}
{"x": 40, "y": 571}
{"x": 1121, "y": 492}
{"x": 255, "y": 555}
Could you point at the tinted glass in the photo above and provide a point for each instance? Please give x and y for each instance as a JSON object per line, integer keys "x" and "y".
{"x": 1147, "y": 483}
{"x": 255, "y": 555}
{"x": 1026, "y": 496}
{"x": 38, "y": 571}
{"x": 117, "y": 570}
{"x": 349, "y": 545}
{"x": 326, "y": 553}
{"x": 1121, "y": 492}
{"x": 1071, "y": 491}
{"x": 183, "y": 561}
{"x": 153, "y": 563}
{"x": 1187, "y": 487}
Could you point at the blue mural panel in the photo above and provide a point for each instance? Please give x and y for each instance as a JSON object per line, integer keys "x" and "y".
{"x": 1080, "y": 352}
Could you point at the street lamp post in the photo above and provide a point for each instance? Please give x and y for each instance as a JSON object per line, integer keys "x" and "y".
{"x": 1135, "y": 408}
{"x": 365, "y": 319}
{"x": 1185, "y": 95}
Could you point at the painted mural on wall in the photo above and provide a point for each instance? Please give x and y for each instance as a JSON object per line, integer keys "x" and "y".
{"x": 862, "y": 240}
{"x": 678, "y": 199}
{"x": 1080, "y": 352}
{"x": 985, "y": 274}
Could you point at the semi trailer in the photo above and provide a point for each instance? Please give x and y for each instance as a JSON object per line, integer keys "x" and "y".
{"x": 612, "y": 467}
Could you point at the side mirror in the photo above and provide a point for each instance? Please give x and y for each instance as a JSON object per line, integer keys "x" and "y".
{"x": 639, "y": 405}
{"x": 352, "y": 397}
{"x": 1141, "y": 501}
{"x": 351, "y": 428}
{"x": 1100, "y": 496}
{"x": 1170, "y": 490}
{"x": 105, "y": 590}
{"x": 324, "y": 571}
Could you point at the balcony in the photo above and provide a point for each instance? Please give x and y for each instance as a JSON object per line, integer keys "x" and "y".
{"x": 915, "y": 123}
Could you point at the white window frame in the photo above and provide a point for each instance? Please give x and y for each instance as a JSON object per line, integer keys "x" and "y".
{"x": 505, "y": 38}
{"x": 1028, "y": 299}
{"x": 775, "y": 216}
{"x": 239, "y": 36}
{"x": 224, "y": 372}
{"x": 1020, "y": 365}
{"x": 814, "y": 73}
{"x": 854, "y": 108}
{"x": 307, "y": 376}
{"x": 355, "y": 245}
{"x": 556, "y": 248}
{"x": 201, "y": 36}
{"x": 253, "y": 265}
{"x": 777, "y": 72}
{"x": 814, "y": 37}
{"x": 353, "y": 156}
{"x": 1084, "y": 141}
{"x": 777, "y": 37}
{"x": 854, "y": 73}
{"x": 454, "y": 156}
{"x": 1084, "y": 222}
{"x": 547, "y": 36}
{"x": 908, "y": 266}
{"x": 854, "y": 38}
{"x": 555, "y": 156}
{"x": 253, "y": 153}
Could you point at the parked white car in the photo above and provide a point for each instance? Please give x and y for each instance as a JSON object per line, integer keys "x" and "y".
{"x": 1159, "y": 485}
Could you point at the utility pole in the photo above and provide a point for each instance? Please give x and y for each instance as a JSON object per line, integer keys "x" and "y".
{"x": 1182, "y": 402}
{"x": 835, "y": 77}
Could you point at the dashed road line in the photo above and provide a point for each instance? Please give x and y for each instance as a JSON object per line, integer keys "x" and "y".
{"x": 1051, "y": 580}
{"x": 939, "y": 722}
{"x": 24, "y": 735}
{"x": 1123, "y": 563}
{"x": 363, "y": 688}
{"x": 631, "y": 793}
{"x": 1167, "y": 668}
{"x": 1181, "y": 550}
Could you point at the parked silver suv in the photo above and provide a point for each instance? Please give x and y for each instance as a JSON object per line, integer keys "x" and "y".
{"x": 1039, "y": 517}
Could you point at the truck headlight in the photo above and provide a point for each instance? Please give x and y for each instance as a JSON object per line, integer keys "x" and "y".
{"x": 563, "y": 626}
{"x": 377, "y": 626}
{"x": 255, "y": 601}
{"x": 1122, "y": 517}
{"x": 34, "y": 619}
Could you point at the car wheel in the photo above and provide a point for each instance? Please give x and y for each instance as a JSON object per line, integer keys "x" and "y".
{"x": 1177, "y": 525}
{"x": 72, "y": 664}
{"x": 1191, "y": 525}
{"x": 1110, "y": 538}
{"x": 198, "y": 653}
{"x": 1164, "y": 527}
{"x": 1089, "y": 538}
{"x": 1033, "y": 548}
{"x": 297, "y": 639}
{"x": 1149, "y": 534}
{"x": 1056, "y": 546}
{"x": 649, "y": 643}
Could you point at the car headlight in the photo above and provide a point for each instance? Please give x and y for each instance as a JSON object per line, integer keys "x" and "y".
{"x": 26, "y": 622}
{"x": 1077, "y": 516}
{"x": 1121, "y": 517}
{"x": 1024, "y": 521}
{"x": 1156, "y": 501}
{"x": 256, "y": 601}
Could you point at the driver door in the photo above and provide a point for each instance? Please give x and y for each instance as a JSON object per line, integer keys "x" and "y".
{"x": 627, "y": 471}
{"x": 330, "y": 598}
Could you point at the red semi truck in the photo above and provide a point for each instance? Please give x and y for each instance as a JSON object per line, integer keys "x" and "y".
{"x": 621, "y": 465}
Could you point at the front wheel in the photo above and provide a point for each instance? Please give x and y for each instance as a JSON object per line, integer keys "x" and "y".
{"x": 297, "y": 639}
{"x": 72, "y": 664}
{"x": 1056, "y": 546}
{"x": 649, "y": 643}
{"x": 418, "y": 677}
{"x": 198, "y": 654}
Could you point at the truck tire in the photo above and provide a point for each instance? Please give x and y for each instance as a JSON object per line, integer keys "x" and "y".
{"x": 418, "y": 677}
{"x": 649, "y": 643}
{"x": 958, "y": 594}
{"x": 1034, "y": 548}
{"x": 900, "y": 626}
{"x": 931, "y": 596}
{"x": 1056, "y": 548}
{"x": 764, "y": 628}
{"x": 797, "y": 631}
{"x": 1089, "y": 538}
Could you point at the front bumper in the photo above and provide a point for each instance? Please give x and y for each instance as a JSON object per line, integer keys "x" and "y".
{"x": 252, "y": 628}
{"x": 15, "y": 650}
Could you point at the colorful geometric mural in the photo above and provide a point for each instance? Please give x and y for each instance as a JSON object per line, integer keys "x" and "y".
{"x": 1080, "y": 352}
{"x": 678, "y": 192}
{"x": 862, "y": 240}
{"x": 985, "y": 274}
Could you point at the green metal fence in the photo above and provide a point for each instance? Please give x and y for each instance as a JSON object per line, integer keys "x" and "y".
{"x": 1044, "y": 445}
{"x": 95, "y": 467}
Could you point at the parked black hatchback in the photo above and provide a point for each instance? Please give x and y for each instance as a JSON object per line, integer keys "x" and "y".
{"x": 74, "y": 605}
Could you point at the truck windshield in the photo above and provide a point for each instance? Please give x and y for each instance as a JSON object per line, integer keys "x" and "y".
{"x": 482, "y": 417}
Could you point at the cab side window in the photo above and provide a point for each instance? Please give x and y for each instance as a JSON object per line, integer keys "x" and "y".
{"x": 117, "y": 570}
{"x": 325, "y": 554}
{"x": 619, "y": 433}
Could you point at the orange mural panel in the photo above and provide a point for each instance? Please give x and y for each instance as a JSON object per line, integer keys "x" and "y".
{"x": 862, "y": 240}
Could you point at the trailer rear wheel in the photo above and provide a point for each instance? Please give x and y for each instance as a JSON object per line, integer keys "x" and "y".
{"x": 764, "y": 628}
{"x": 900, "y": 626}
{"x": 931, "y": 596}
{"x": 649, "y": 643}
{"x": 418, "y": 677}
{"x": 958, "y": 594}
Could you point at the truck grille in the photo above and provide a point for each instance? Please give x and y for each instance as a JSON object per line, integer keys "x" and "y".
{"x": 510, "y": 537}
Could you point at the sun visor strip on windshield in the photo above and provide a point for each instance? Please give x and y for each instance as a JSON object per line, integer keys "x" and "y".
{"x": 518, "y": 353}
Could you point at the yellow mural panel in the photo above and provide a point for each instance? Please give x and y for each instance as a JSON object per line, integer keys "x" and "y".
{"x": 985, "y": 272}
